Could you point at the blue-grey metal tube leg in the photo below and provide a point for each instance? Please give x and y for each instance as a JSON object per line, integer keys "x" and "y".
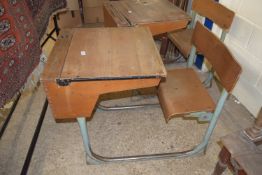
{"x": 215, "y": 116}
{"x": 84, "y": 132}
{"x": 93, "y": 158}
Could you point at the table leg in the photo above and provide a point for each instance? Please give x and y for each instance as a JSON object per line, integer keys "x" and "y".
{"x": 224, "y": 159}
{"x": 84, "y": 132}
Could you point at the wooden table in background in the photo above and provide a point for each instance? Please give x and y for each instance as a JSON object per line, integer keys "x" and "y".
{"x": 239, "y": 154}
{"x": 160, "y": 16}
{"x": 88, "y": 62}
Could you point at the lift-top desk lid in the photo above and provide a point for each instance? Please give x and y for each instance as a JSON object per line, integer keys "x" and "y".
{"x": 86, "y": 54}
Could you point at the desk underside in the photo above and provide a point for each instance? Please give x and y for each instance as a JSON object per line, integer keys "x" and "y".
{"x": 78, "y": 99}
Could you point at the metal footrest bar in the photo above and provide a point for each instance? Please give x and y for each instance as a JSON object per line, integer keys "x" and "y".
{"x": 114, "y": 108}
{"x": 182, "y": 154}
{"x": 93, "y": 158}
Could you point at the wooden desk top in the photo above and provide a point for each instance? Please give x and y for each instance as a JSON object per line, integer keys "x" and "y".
{"x": 104, "y": 53}
{"x": 137, "y": 12}
{"x": 244, "y": 151}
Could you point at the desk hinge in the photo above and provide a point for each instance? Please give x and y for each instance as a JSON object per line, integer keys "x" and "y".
{"x": 64, "y": 82}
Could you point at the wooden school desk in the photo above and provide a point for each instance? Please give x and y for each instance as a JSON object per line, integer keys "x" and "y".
{"x": 88, "y": 62}
{"x": 160, "y": 16}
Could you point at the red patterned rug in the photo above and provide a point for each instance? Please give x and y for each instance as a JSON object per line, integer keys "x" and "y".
{"x": 22, "y": 23}
{"x": 41, "y": 10}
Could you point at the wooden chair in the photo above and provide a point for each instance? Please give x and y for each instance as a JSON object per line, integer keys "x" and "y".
{"x": 210, "y": 9}
{"x": 183, "y": 94}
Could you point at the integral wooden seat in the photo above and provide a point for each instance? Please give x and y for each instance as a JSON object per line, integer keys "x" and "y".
{"x": 183, "y": 93}
{"x": 210, "y": 9}
{"x": 182, "y": 40}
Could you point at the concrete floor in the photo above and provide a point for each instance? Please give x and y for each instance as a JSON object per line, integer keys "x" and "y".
{"x": 59, "y": 149}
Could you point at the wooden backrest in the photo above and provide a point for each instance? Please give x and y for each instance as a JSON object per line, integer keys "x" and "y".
{"x": 224, "y": 64}
{"x": 213, "y": 10}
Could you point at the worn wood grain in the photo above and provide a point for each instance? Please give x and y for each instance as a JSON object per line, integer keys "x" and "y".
{"x": 182, "y": 40}
{"x": 57, "y": 57}
{"x": 244, "y": 152}
{"x": 218, "y": 13}
{"x": 112, "y": 53}
{"x": 160, "y": 16}
{"x": 183, "y": 93}
{"x": 215, "y": 11}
